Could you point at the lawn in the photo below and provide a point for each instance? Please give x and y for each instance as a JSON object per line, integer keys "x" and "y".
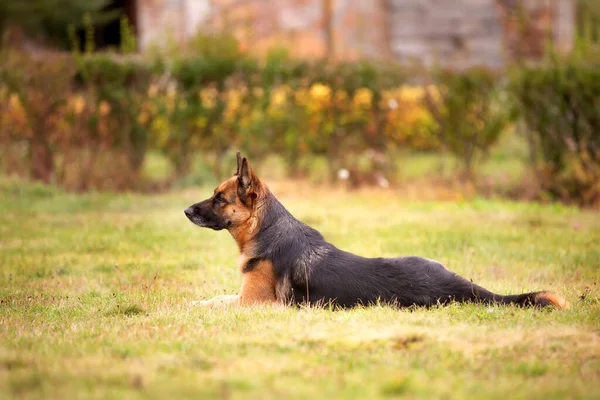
{"x": 95, "y": 295}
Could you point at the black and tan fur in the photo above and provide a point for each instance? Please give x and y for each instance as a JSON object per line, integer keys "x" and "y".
{"x": 285, "y": 261}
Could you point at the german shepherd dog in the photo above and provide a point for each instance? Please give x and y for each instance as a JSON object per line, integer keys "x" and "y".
{"x": 285, "y": 261}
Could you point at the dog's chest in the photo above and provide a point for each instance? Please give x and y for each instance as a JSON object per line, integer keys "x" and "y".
{"x": 261, "y": 272}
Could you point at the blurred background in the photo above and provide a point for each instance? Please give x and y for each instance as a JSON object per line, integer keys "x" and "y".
{"x": 445, "y": 99}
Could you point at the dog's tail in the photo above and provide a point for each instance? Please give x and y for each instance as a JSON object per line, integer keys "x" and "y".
{"x": 472, "y": 292}
{"x": 534, "y": 299}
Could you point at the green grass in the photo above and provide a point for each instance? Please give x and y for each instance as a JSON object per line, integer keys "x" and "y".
{"x": 95, "y": 292}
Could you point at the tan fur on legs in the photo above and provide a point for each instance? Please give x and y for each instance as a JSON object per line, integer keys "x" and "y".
{"x": 258, "y": 285}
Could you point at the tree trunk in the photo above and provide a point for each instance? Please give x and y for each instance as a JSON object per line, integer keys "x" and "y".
{"x": 183, "y": 164}
{"x": 136, "y": 150}
{"x": 468, "y": 174}
{"x": 42, "y": 159}
{"x": 218, "y": 164}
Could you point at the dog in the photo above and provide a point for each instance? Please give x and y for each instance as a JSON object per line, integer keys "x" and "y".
{"x": 286, "y": 261}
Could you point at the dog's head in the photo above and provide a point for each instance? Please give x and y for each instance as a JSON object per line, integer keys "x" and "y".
{"x": 233, "y": 202}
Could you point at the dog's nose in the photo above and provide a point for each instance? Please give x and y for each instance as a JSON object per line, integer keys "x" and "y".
{"x": 189, "y": 211}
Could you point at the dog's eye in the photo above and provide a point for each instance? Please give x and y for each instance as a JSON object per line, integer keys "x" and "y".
{"x": 219, "y": 198}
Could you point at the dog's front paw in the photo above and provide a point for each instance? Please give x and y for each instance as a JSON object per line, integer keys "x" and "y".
{"x": 199, "y": 303}
{"x": 219, "y": 301}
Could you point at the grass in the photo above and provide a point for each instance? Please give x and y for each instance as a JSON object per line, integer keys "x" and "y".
{"x": 95, "y": 292}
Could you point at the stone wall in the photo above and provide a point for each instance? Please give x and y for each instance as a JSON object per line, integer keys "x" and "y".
{"x": 458, "y": 32}
{"x": 450, "y": 32}
{"x": 465, "y": 32}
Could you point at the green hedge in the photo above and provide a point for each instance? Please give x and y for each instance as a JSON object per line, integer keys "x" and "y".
{"x": 88, "y": 121}
{"x": 126, "y": 106}
{"x": 290, "y": 134}
{"x": 470, "y": 113}
{"x": 560, "y": 104}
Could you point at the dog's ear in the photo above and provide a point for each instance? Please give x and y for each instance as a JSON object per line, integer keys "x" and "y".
{"x": 247, "y": 181}
{"x": 239, "y": 163}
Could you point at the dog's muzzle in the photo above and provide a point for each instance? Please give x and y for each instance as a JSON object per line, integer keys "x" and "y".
{"x": 203, "y": 217}
{"x": 193, "y": 215}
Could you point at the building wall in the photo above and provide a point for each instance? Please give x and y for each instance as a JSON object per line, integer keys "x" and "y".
{"x": 458, "y": 32}
{"x": 159, "y": 21}
{"x": 465, "y": 32}
{"x": 450, "y": 32}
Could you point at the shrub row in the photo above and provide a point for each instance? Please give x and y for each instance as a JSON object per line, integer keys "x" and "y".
{"x": 88, "y": 121}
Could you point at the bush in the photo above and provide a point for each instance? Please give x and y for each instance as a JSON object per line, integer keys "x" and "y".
{"x": 469, "y": 113}
{"x": 98, "y": 115}
{"x": 75, "y": 117}
{"x": 120, "y": 85}
{"x": 559, "y": 102}
{"x": 348, "y": 113}
{"x": 34, "y": 88}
